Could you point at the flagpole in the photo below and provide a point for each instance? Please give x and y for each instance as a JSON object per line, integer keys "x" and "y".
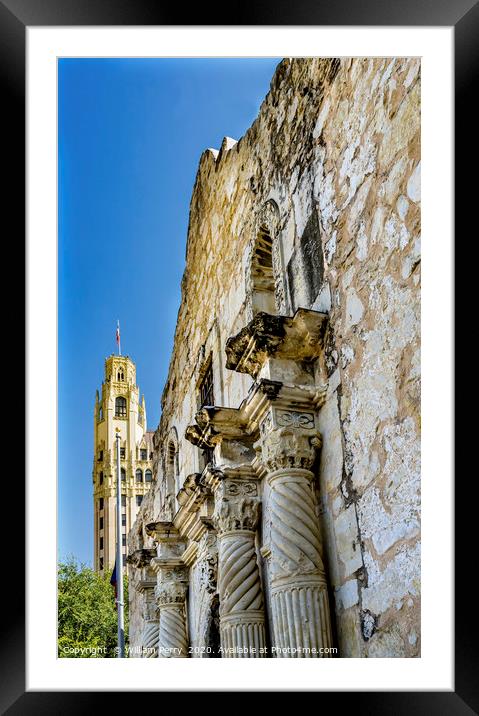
{"x": 119, "y": 556}
{"x": 118, "y": 339}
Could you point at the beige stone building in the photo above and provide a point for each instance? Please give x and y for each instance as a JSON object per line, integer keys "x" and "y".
{"x": 283, "y": 519}
{"x": 118, "y": 408}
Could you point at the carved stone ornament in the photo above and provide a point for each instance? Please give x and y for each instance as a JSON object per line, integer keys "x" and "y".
{"x": 299, "y": 338}
{"x": 170, "y": 593}
{"x": 247, "y": 351}
{"x": 150, "y": 612}
{"x": 295, "y": 419}
{"x": 236, "y": 506}
{"x": 141, "y": 558}
{"x": 241, "y": 597}
{"x": 289, "y": 447}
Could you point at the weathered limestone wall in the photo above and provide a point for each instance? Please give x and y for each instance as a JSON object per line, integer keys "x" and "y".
{"x": 336, "y": 146}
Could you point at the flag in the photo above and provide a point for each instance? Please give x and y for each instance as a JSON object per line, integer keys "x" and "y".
{"x": 113, "y": 581}
{"x": 118, "y": 336}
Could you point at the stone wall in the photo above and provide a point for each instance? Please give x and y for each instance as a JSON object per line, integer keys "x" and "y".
{"x": 332, "y": 166}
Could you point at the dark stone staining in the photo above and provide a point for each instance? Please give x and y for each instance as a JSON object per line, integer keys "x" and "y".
{"x": 333, "y": 69}
{"x": 213, "y": 641}
{"x": 307, "y": 261}
{"x": 330, "y": 351}
{"x": 369, "y": 624}
{"x": 350, "y": 494}
{"x": 270, "y": 388}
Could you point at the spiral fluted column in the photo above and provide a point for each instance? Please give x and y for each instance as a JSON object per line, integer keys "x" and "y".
{"x": 147, "y": 645}
{"x": 299, "y": 599}
{"x": 241, "y": 598}
{"x": 170, "y": 598}
{"x": 171, "y": 588}
{"x": 150, "y": 634}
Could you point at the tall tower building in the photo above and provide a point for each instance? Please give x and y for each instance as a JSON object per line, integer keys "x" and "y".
{"x": 119, "y": 407}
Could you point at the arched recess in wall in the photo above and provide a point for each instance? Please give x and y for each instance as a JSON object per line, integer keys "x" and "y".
{"x": 172, "y": 467}
{"x": 265, "y": 286}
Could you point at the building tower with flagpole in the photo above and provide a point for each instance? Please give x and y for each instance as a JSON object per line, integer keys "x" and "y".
{"x": 118, "y": 407}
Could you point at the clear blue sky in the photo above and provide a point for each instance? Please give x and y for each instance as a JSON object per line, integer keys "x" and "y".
{"x": 130, "y": 135}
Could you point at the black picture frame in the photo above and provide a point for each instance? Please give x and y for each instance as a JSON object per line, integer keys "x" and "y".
{"x": 15, "y": 17}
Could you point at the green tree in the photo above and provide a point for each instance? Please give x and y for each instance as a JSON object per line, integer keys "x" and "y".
{"x": 87, "y": 616}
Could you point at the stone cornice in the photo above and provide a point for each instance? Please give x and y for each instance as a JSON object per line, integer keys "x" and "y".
{"x": 299, "y": 338}
{"x": 144, "y": 585}
{"x": 192, "y": 498}
{"x": 192, "y": 493}
{"x": 190, "y": 553}
{"x": 214, "y": 424}
{"x": 163, "y": 532}
{"x": 141, "y": 557}
{"x": 217, "y": 424}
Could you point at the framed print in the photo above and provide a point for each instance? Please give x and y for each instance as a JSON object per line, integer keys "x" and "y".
{"x": 277, "y": 491}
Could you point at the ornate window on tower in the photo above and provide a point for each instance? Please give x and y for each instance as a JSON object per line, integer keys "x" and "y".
{"x": 120, "y": 407}
{"x": 143, "y": 454}
{"x": 139, "y": 475}
{"x": 148, "y": 475}
{"x": 120, "y": 375}
{"x": 123, "y": 474}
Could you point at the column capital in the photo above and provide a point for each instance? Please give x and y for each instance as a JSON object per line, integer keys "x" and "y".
{"x": 150, "y": 610}
{"x": 236, "y": 503}
{"x": 172, "y": 585}
{"x": 292, "y": 447}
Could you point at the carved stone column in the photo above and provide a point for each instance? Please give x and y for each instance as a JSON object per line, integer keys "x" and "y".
{"x": 170, "y": 592}
{"x": 146, "y": 587}
{"x": 299, "y": 599}
{"x": 241, "y": 597}
{"x": 150, "y": 635}
{"x": 171, "y": 601}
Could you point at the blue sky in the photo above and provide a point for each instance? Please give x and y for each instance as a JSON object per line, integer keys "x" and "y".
{"x": 130, "y": 135}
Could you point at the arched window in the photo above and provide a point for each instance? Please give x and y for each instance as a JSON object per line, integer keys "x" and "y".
{"x": 120, "y": 407}
{"x": 139, "y": 475}
{"x": 265, "y": 280}
{"x": 262, "y": 277}
{"x": 148, "y": 475}
{"x": 123, "y": 474}
{"x": 101, "y": 478}
{"x": 120, "y": 375}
